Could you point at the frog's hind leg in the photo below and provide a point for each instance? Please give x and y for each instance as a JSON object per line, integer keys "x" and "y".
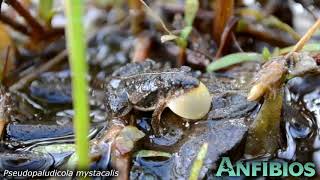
{"x": 156, "y": 117}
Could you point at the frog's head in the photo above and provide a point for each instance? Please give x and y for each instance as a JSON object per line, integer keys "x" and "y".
{"x": 118, "y": 105}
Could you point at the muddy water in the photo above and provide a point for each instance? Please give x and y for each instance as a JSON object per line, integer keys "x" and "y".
{"x": 40, "y": 134}
{"x": 300, "y": 121}
{"x": 225, "y": 128}
{"x": 44, "y": 119}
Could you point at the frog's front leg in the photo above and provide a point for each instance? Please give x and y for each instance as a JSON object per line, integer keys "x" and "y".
{"x": 156, "y": 117}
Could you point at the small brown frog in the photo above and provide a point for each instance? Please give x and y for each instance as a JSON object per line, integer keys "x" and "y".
{"x": 145, "y": 87}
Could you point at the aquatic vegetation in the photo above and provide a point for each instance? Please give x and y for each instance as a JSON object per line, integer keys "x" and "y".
{"x": 271, "y": 76}
{"x": 310, "y": 47}
{"x": 198, "y": 162}
{"x": 233, "y": 59}
{"x": 77, "y": 53}
{"x": 265, "y": 131}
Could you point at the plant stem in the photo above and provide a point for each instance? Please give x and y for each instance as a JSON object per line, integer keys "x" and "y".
{"x": 13, "y": 24}
{"x": 43, "y": 68}
{"x": 181, "y": 56}
{"x": 226, "y": 36}
{"x": 223, "y": 11}
{"x": 306, "y": 37}
{"x": 35, "y": 25}
{"x": 155, "y": 16}
{"x": 77, "y": 57}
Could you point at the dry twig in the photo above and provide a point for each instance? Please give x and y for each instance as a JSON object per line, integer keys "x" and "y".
{"x": 45, "y": 67}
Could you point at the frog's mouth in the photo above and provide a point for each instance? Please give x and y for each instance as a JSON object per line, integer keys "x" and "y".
{"x": 193, "y": 104}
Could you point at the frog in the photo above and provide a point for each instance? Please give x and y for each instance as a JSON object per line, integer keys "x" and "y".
{"x": 147, "y": 86}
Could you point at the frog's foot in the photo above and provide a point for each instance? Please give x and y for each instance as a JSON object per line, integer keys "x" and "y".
{"x": 156, "y": 118}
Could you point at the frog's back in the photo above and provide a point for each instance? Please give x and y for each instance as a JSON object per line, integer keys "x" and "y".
{"x": 132, "y": 69}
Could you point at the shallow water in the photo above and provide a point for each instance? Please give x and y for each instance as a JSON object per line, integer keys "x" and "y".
{"x": 302, "y": 119}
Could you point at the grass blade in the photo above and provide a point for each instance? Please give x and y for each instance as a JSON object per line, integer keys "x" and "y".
{"x": 78, "y": 65}
{"x": 197, "y": 165}
{"x": 191, "y": 9}
{"x": 233, "y": 59}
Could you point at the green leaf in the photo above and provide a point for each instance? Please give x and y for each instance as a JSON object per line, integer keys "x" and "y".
{"x": 198, "y": 162}
{"x": 233, "y": 59}
{"x": 311, "y": 47}
{"x": 77, "y": 58}
{"x": 185, "y": 32}
{"x": 264, "y": 133}
{"x": 181, "y": 42}
{"x": 274, "y": 22}
{"x": 150, "y": 153}
{"x": 251, "y": 13}
{"x": 266, "y": 53}
{"x": 45, "y": 10}
{"x": 190, "y": 11}
{"x": 242, "y": 25}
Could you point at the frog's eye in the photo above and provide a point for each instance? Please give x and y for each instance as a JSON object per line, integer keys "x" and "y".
{"x": 193, "y": 104}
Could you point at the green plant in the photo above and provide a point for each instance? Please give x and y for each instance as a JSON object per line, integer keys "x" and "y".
{"x": 311, "y": 47}
{"x": 45, "y": 10}
{"x": 190, "y": 12}
{"x": 198, "y": 162}
{"x": 77, "y": 58}
{"x": 233, "y": 59}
